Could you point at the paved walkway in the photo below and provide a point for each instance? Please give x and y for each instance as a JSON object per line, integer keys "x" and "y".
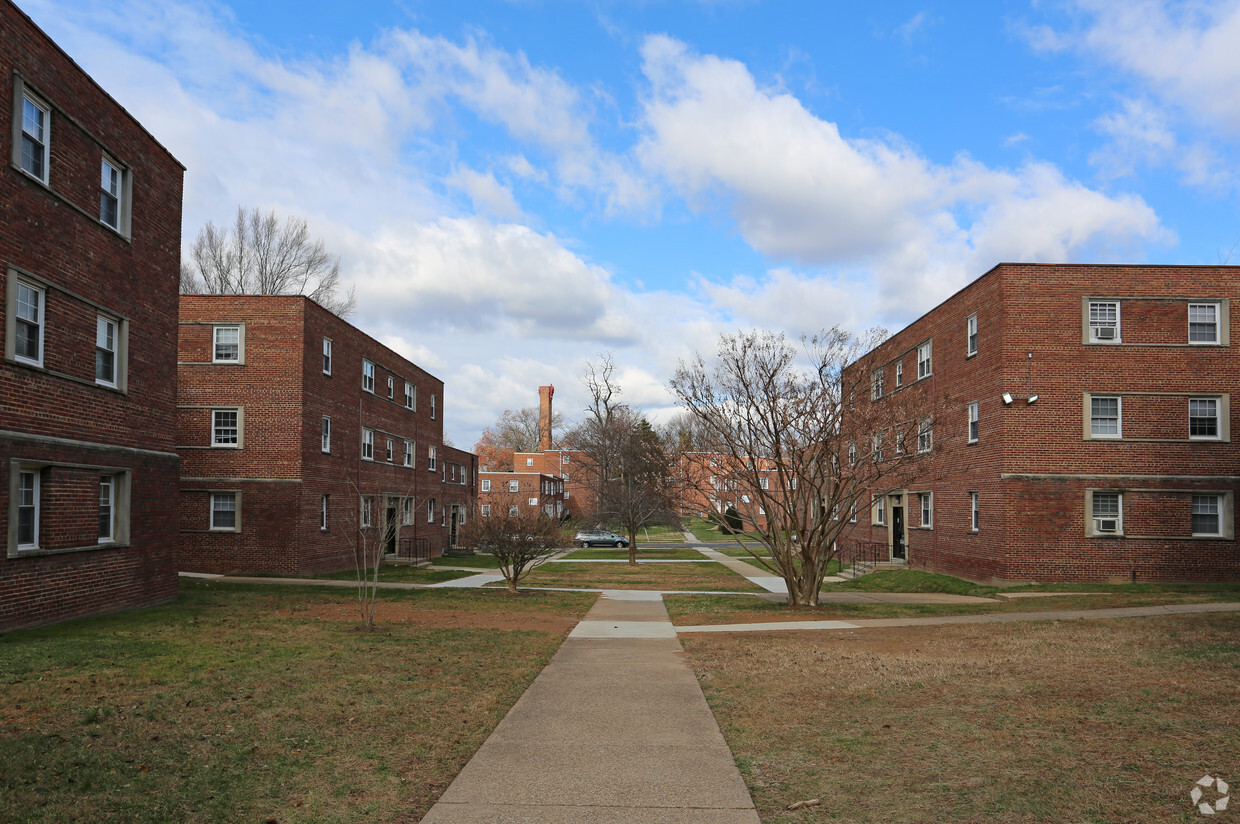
{"x": 614, "y": 731}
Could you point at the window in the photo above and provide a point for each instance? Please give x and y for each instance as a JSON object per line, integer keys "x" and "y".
{"x": 28, "y": 509}
{"x": 1203, "y": 418}
{"x": 514, "y": 486}
{"x": 899, "y": 442}
{"x": 876, "y": 385}
{"x": 227, "y": 345}
{"x": 105, "y": 351}
{"x": 390, "y": 453}
{"x": 1104, "y": 321}
{"x": 564, "y": 459}
{"x": 324, "y": 502}
{"x": 899, "y": 374}
{"x": 406, "y": 511}
{"x": 409, "y": 453}
{"x": 368, "y": 445}
{"x": 110, "y": 195}
{"x": 433, "y": 459}
{"x": 430, "y": 511}
{"x": 529, "y": 461}
{"x": 927, "y": 508}
{"x": 1206, "y": 520}
{"x": 391, "y": 387}
{"x": 878, "y": 447}
{"x": 852, "y": 513}
{"x": 224, "y": 511}
{"x": 974, "y": 427}
{"x": 432, "y": 407}
{"x": 925, "y": 437}
{"x": 107, "y": 499}
{"x": 486, "y": 510}
{"x": 852, "y": 453}
{"x": 880, "y": 510}
{"x": 923, "y": 360}
{"x": 971, "y": 336}
{"x": 1107, "y": 512}
{"x": 974, "y": 514}
{"x": 1104, "y": 417}
{"x": 226, "y": 427}
{"x": 327, "y": 434}
{"x": 28, "y": 342}
{"x": 410, "y": 396}
{"x": 366, "y": 508}
{"x": 514, "y": 511}
{"x": 327, "y": 356}
{"x": 533, "y": 502}
{"x": 486, "y": 485}
{"x": 764, "y": 482}
{"x": 36, "y": 119}
{"x": 368, "y": 376}
{"x": 1203, "y": 323}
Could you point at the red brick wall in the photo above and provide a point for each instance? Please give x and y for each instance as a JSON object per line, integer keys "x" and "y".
{"x": 52, "y": 235}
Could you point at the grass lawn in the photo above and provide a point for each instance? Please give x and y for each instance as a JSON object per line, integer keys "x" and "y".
{"x": 471, "y": 561}
{"x": 1082, "y": 721}
{"x": 401, "y": 574}
{"x": 644, "y": 553}
{"x": 645, "y": 576}
{"x": 833, "y": 566}
{"x": 263, "y": 703}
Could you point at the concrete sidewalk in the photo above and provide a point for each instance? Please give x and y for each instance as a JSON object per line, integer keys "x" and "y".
{"x": 614, "y": 731}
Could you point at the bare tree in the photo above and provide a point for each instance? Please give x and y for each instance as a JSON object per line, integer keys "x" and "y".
{"x": 372, "y": 534}
{"x": 513, "y": 431}
{"x": 630, "y": 465}
{"x": 798, "y": 456}
{"x": 519, "y": 542}
{"x": 262, "y": 255}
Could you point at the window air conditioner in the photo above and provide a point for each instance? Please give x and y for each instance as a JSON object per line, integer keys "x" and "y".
{"x": 1106, "y": 524}
{"x": 1104, "y": 332}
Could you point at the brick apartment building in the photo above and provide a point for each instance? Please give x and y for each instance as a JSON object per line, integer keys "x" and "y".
{"x": 1083, "y": 426}
{"x": 90, "y": 240}
{"x": 517, "y": 493}
{"x": 568, "y": 465}
{"x": 712, "y": 482}
{"x": 301, "y": 436}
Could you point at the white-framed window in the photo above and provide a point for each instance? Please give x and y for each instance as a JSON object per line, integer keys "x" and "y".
{"x": 852, "y": 513}
{"x": 368, "y": 444}
{"x": 974, "y": 424}
{"x": 514, "y": 511}
{"x": 367, "y": 506}
{"x": 852, "y": 453}
{"x": 1203, "y": 418}
{"x": 227, "y": 348}
{"x": 974, "y": 512}
{"x": 876, "y": 384}
{"x": 899, "y": 442}
{"x": 432, "y": 406}
{"x": 744, "y": 499}
{"x": 764, "y": 482}
{"x": 391, "y": 453}
{"x": 226, "y": 427}
{"x": 324, "y": 505}
{"x": 1105, "y": 416}
{"x": 430, "y": 511}
{"x": 899, "y": 373}
{"x": 110, "y": 191}
{"x": 529, "y": 461}
{"x": 411, "y": 396}
{"x": 880, "y": 510}
{"x": 391, "y": 387}
{"x": 1108, "y": 512}
{"x": 533, "y": 502}
{"x": 878, "y": 447}
{"x": 28, "y": 340}
{"x": 923, "y": 361}
{"x": 406, "y": 511}
{"x": 433, "y": 458}
{"x": 1207, "y": 514}
{"x": 514, "y": 486}
{"x": 564, "y": 458}
{"x": 105, "y": 351}
{"x": 1203, "y": 322}
{"x": 927, "y": 508}
{"x": 224, "y": 511}
{"x": 486, "y": 510}
{"x": 36, "y": 127}
{"x": 925, "y": 436}
{"x": 486, "y": 484}
{"x": 28, "y": 509}
{"x": 971, "y": 336}
{"x": 565, "y": 477}
{"x": 107, "y": 508}
{"x": 327, "y": 434}
{"x": 368, "y": 376}
{"x": 327, "y": 356}
{"x": 409, "y": 453}
{"x": 1104, "y": 321}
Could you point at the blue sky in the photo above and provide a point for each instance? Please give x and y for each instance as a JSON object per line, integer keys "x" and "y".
{"x": 517, "y": 185}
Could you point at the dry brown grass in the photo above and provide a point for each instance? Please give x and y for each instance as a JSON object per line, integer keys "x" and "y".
{"x": 686, "y": 576}
{"x": 1084, "y": 721}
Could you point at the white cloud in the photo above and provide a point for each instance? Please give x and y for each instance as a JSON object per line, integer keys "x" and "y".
{"x": 487, "y": 193}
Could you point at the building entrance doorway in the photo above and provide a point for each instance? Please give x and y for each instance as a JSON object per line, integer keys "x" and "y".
{"x": 389, "y": 529}
{"x": 898, "y": 550}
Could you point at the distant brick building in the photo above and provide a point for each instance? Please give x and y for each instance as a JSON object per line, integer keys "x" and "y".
{"x": 90, "y": 240}
{"x": 516, "y": 493}
{"x": 569, "y": 465}
{"x": 1083, "y": 429}
{"x": 300, "y": 435}
{"x": 712, "y": 484}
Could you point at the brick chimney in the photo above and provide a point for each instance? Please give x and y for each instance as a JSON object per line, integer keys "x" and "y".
{"x": 544, "y": 417}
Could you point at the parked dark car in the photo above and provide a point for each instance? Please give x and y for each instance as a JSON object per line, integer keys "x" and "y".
{"x": 599, "y": 537}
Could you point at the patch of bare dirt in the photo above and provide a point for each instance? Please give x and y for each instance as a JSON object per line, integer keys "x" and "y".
{"x": 396, "y": 612}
